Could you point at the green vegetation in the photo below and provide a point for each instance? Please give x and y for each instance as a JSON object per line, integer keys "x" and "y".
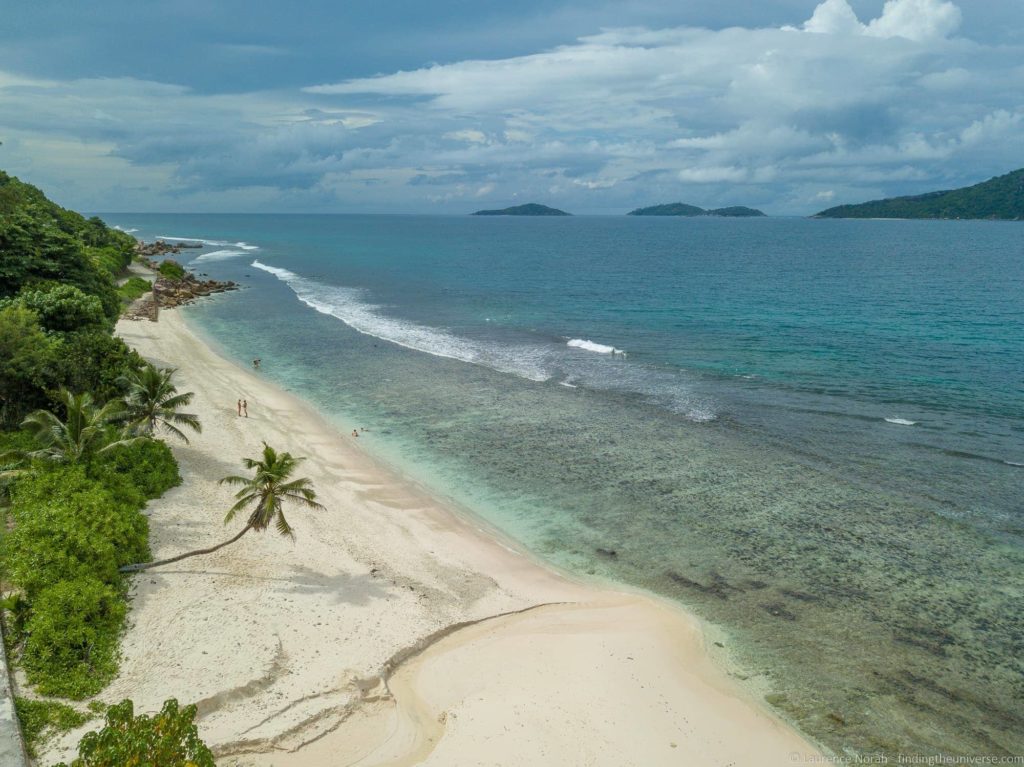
{"x": 144, "y": 466}
{"x": 171, "y": 269}
{"x": 63, "y": 308}
{"x": 36, "y": 360}
{"x": 736, "y": 211}
{"x": 669, "y": 209}
{"x": 270, "y": 485}
{"x": 84, "y": 433}
{"x": 72, "y": 481}
{"x": 529, "y": 209}
{"x": 682, "y": 209}
{"x": 73, "y": 526}
{"x": 152, "y": 403}
{"x": 78, "y": 462}
{"x": 42, "y": 718}
{"x": 998, "y": 198}
{"x": 166, "y": 739}
{"x": 41, "y": 244}
{"x": 71, "y": 647}
{"x": 135, "y": 287}
{"x": 29, "y": 362}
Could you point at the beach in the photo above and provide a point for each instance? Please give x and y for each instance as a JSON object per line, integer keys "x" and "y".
{"x": 394, "y": 629}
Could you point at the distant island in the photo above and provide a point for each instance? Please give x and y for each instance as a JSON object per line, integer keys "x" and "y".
{"x": 682, "y": 209}
{"x": 529, "y": 209}
{"x": 1000, "y": 198}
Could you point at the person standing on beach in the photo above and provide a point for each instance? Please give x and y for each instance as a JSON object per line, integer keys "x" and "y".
{"x": 245, "y": 408}
{"x": 239, "y": 407}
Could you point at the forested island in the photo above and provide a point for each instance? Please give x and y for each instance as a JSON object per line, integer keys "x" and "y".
{"x": 1000, "y": 198}
{"x": 529, "y": 209}
{"x": 682, "y": 209}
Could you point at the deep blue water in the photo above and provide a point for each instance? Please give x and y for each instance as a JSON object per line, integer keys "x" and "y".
{"x": 811, "y": 431}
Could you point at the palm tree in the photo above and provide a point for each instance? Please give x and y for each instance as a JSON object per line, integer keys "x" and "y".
{"x": 152, "y": 403}
{"x": 85, "y": 433}
{"x": 267, "y": 488}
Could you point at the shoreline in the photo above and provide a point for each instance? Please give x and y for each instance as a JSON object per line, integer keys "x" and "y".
{"x": 396, "y": 630}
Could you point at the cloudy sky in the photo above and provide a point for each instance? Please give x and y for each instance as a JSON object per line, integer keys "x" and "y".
{"x": 449, "y": 106}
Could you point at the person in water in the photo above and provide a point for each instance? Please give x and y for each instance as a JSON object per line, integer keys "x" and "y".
{"x": 256, "y": 363}
{"x": 355, "y": 433}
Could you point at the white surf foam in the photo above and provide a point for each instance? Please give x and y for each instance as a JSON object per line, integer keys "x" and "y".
{"x": 218, "y": 255}
{"x": 1014, "y": 463}
{"x": 900, "y": 421}
{"x": 213, "y": 243}
{"x": 126, "y": 231}
{"x": 349, "y": 306}
{"x": 590, "y": 346}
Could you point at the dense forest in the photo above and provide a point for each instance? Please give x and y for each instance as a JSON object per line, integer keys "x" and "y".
{"x": 529, "y": 209}
{"x": 79, "y": 459}
{"x": 682, "y": 209}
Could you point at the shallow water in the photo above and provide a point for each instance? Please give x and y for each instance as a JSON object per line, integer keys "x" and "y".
{"x": 810, "y": 439}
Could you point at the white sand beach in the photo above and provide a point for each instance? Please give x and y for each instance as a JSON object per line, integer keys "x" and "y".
{"x": 393, "y": 630}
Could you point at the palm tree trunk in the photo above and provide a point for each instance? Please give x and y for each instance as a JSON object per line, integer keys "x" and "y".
{"x": 147, "y": 565}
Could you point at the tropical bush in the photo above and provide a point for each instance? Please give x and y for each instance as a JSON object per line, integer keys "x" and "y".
{"x": 75, "y": 482}
{"x": 171, "y": 269}
{"x": 41, "y": 718}
{"x": 95, "y": 361}
{"x": 69, "y": 526}
{"x": 133, "y": 288}
{"x": 167, "y": 739}
{"x": 148, "y": 465}
{"x": 71, "y": 532}
{"x": 63, "y": 308}
{"x": 29, "y": 363}
{"x": 71, "y": 638}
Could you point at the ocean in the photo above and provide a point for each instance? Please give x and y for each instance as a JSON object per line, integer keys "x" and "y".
{"x": 808, "y": 432}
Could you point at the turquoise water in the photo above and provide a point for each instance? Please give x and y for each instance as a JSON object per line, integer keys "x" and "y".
{"x": 810, "y": 432}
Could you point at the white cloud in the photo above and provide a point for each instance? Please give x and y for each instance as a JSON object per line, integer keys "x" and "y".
{"x": 918, "y": 20}
{"x": 768, "y": 117}
{"x": 834, "y": 17}
{"x": 712, "y": 174}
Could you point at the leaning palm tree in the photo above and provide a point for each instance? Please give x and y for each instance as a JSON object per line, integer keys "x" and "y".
{"x": 270, "y": 485}
{"x": 85, "y": 433}
{"x": 152, "y": 403}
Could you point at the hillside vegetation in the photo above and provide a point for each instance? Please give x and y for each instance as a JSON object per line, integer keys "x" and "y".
{"x": 76, "y": 468}
{"x": 682, "y": 209}
{"x": 529, "y": 209}
{"x": 1000, "y": 198}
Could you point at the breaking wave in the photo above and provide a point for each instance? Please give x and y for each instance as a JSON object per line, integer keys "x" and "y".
{"x": 590, "y": 346}
{"x": 541, "y": 360}
{"x": 349, "y": 306}
{"x": 218, "y": 255}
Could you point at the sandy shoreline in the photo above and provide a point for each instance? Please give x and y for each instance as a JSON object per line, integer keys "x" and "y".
{"x": 393, "y": 632}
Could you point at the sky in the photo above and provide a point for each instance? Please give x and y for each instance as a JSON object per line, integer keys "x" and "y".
{"x": 449, "y": 106}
